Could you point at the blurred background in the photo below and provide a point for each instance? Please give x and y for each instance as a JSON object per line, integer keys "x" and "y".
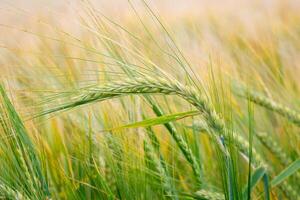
{"x": 50, "y": 50}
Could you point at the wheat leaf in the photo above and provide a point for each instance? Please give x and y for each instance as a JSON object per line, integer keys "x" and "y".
{"x": 291, "y": 169}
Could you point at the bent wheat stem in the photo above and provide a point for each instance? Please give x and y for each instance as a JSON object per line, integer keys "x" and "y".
{"x": 149, "y": 85}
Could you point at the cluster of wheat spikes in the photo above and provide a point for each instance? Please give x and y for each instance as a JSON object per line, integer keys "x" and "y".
{"x": 148, "y": 85}
{"x": 132, "y": 110}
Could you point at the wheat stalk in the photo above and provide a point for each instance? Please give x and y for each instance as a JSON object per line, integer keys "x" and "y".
{"x": 187, "y": 152}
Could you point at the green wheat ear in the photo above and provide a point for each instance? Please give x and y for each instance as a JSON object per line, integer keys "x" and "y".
{"x": 23, "y": 149}
{"x": 274, "y": 147}
{"x": 283, "y": 158}
{"x": 149, "y": 85}
{"x": 270, "y": 104}
{"x": 180, "y": 141}
{"x": 208, "y": 195}
{"x": 153, "y": 158}
{"x": 11, "y": 194}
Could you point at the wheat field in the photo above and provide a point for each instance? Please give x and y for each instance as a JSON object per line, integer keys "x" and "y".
{"x": 149, "y": 99}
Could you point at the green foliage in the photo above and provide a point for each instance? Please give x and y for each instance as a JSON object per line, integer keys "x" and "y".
{"x": 80, "y": 110}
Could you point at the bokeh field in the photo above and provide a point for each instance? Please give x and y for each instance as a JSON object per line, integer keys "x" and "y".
{"x": 149, "y": 99}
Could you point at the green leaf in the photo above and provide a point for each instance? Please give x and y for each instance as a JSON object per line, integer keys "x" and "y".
{"x": 266, "y": 186}
{"x": 292, "y": 168}
{"x": 255, "y": 178}
{"x": 12, "y": 124}
{"x": 159, "y": 120}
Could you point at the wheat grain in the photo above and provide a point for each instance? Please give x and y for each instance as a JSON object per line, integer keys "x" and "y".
{"x": 289, "y": 191}
{"x": 282, "y": 157}
{"x": 273, "y": 146}
{"x": 28, "y": 175}
{"x": 272, "y": 105}
{"x": 208, "y": 195}
{"x": 151, "y": 157}
{"x": 187, "y": 152}
{"x": 11, "y": 194}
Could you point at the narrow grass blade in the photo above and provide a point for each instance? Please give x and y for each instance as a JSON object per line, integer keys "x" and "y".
{"x": 25, "y": 143}
{"x": 255, "y": 178}
{"x": 291, "y": 169}
{"x": 251, "y": 133}
{"x": 159, "y": 120}
{"x": 266, "y": 186}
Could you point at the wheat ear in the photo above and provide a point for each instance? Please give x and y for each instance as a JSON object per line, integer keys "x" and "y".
{"x": 187, "y": 152}
{"x": 272, "y": 105}
{"x": 289, "y": 191}
{"x": 149, "y": 85}
{"x": 273, "y": 147}
{"x": 26, "y": 171}
{"x": 208, "y": 195}
{"x": 151, "y": 157}
{"x": 11, "y": 194}
{"x": 281, "y": 156}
